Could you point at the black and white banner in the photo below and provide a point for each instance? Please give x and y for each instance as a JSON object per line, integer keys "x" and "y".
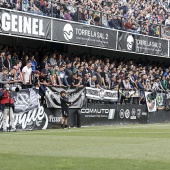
{"x": 77, "y": 33}
{"x": 142, "y": 44}
{"x": 25, "y": 24}
{"x": 26, "y": 100}
{"x": 101, "y": 94}
{"x": 75, "y": 96}
{"x": 129, "y": 93}
{"x": 150, "y": 102}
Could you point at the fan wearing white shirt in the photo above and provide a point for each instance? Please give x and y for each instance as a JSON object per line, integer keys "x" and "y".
{"x": 26, "y": 73}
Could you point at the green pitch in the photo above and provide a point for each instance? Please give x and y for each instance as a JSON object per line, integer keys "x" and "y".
{"x": 127, "y": 147}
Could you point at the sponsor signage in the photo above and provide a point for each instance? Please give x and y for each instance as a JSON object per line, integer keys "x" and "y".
{"x": 54, "y": 119}
{"x": 84, "y": 34}
{"x": 19, "y": 23}
{"x": 34, "y": 119}
{"x": 40, "y": 118}
{"x": 142, "y": 44}
{"x": 108, "y": 113}
{"x": 126, "y": 41}
{"x": 133, "y": 112}
{"x": 98, "y": 116}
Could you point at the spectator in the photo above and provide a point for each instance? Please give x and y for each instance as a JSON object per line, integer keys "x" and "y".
{"x": 62, "y": 76}
{"x": 24, "y": 60}
{"x": 7, "y": 61}
{"x": 167, "y": 21}
{"x": 35, "y": 79}
{"x": 86, "y": 80}
{"x": 47, "y": 72}
{"x": 14, "y": 58}
{"x": 97, "y": 73}
{"x": 18, "y": 70}
{"x": 26, "y": 74}
{"x": 1, "y": 63}
{"x": 44, "y": 62}
{"x": 164, "y": 83}
{"x": 4, "y": 76}
{"x": 33, "y": 9}
{"x": 114, "y": 22}
{"x": 53, "y": 60}
{"x": 113, "y": 83}
{"x": 91, "y": 69}
{"x": 33, "y": 63}
{"x": 55, "y": 76}
{"x": 67, "y": 15}
{"x": 84, "y": 18}
{"x": 43, "y": 83}
{"x": 125, "y": 86}
{"x": 157, "y": 85}
{"x": 92, "y": 82}
{"x": 56, "y": 11}
{"x": 60, "y": 60}
{"x": 72, "y": 81}
{"x": 105, "y": 76}
{"x": 68, "y": 70}
{"x": 80, "y": 71}
{"x": 77, "y": 15}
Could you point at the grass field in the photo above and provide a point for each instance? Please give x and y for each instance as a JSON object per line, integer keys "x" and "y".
{"x": 127, "y": 147}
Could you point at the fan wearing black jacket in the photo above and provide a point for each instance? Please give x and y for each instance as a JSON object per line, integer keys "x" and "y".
{"x": 65, "y": 109}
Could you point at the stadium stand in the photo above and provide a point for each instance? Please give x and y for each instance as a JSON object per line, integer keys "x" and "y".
{"x": 149, "y": 17}
{"x": 81, "y": 70}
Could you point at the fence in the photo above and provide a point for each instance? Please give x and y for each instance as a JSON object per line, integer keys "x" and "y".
{"x": 21, "y": 24}
{"x": 81, "y": 97}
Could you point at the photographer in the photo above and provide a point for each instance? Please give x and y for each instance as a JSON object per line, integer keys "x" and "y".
{"x": 7, "y": 103}
{"x": 65, "y": 109}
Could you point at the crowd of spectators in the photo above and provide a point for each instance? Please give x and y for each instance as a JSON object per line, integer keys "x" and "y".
{"x": 43, "y": 68}
{"x": 138, "y": 16}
